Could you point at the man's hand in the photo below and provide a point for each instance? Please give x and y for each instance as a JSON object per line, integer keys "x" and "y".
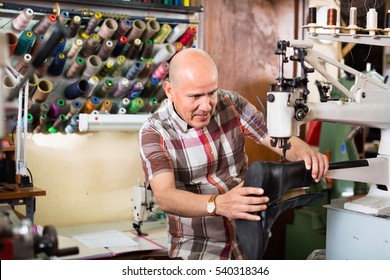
{"x": 240, "y": 202}
{"x": 316, "y": 162}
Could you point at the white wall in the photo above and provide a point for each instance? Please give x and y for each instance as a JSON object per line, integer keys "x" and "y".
{"x": 88, "y": 177}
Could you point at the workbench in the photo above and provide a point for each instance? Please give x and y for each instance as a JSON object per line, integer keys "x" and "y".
{"x": 14, "y": 195}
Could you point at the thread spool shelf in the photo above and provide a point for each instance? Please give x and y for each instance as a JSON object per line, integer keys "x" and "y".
{"x": 140, "y": 5}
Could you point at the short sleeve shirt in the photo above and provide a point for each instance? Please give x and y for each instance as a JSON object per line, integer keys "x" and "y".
{"x": 205, "y": 160}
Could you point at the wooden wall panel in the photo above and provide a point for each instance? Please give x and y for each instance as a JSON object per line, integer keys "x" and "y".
{"x": 241, "y": 36}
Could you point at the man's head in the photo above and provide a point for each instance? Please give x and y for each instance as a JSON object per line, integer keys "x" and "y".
{"x": 192, "y": 86}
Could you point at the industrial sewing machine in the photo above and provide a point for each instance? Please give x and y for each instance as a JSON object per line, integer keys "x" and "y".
{"x": 143, "y": 206}
{"x": 367, "y": 104}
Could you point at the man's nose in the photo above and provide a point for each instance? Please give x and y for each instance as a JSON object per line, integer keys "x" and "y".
{"x": 205, "y": 103}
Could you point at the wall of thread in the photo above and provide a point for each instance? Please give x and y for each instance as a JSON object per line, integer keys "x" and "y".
{"x": 113, "y": 60}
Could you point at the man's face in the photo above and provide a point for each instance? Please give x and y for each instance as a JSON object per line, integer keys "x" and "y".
{"x": 195, "y": 104}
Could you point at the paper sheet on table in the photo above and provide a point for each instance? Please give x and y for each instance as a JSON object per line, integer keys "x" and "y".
{"x": 105, "y": 239}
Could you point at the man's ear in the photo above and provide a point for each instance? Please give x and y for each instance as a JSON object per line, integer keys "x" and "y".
{"x": 168, "y": 90}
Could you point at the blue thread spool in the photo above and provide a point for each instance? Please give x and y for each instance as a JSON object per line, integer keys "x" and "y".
{"x": 57, "y": 65}
{"x": 25, "y": 42}
{"x": 76, "y": 89}
{"x": 60, "y": 47}
{"x": 134, "y": 69}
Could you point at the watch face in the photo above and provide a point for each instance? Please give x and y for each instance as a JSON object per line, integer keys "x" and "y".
{"x": 210, "y": 207}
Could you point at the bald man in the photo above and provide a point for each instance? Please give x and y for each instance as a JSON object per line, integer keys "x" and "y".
{"x": 194, "y": 159}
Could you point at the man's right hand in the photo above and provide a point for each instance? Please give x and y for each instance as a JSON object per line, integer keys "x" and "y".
{"x": 240, "y": 203}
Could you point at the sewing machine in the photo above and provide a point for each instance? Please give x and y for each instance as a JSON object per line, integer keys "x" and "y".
{"x": 143, "y": 206}
{"x": 357, "y": 228}
{"x": 368, "y": 104}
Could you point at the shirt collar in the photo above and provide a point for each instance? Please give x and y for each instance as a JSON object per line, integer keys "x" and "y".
{"x": 179, "y": 122}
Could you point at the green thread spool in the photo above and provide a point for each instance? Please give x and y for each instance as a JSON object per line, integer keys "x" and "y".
{"x": 136, "y": 104}
{"x": 25, "y": 42}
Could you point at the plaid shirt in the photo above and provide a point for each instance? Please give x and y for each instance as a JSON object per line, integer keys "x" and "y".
{"x": 204, "y": 161}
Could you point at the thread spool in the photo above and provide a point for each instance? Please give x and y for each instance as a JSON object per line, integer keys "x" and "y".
{"x": 152, "y": 27}
{"x": 44, "y": 107}
{"x": 125, "y": 102}
{"x": 148, "y": 66}
{"x": 73, "y": 125}
{"x": 44, "y": 24}
{"x": 137, "y": 29}
{"x": 146, "y": 51}
{"x": 133, "y": 49}
{"x": 108, "y": 28}
{"x": 164, "y": 54}
{"x": 58, "y": 124}
{"x": 23, "y": 19}
{"x": 121, "y": 111}
{"x": 188, "y": 36}
{"x": 41, "y": 70}
{"x": 119, "y": 64}
{"x": 161, "y": 71}
{"x": 150, "y": 105}
{"x": 331, "y": 17}
{"x": 93, "y": 64}
{"x": 76, "y": 89}
{"x": 106, "y": 49}
{"x": 93, "y": 82}
{"x": 43, "y": 90}
{"x": 162, "y": 34}
{"x": 106, "y": 107}
{"x": 75, "y": 108}
{"x": 106, "y": 69}
{"x": 22, "y": 64}
{"x": 134, "y": 69}
{"x": 75, "y": 68}
{"x": 90, "y": 45}
{"x": 387, "y": 23}
{"x": 136, "y": 104}
{"x": 372, "y": 21}
{"x": 42, "y": 121}
{"x": 120, "y": 45}
{"x": 93, "y": 23}
{"x": 8, "y": 86}
{"x": 92, "y": 104}
{"x": 32, "y": 84}
{"x": 12, "y": 41}
{"x": 121, "y": 87}
{"x": 56, "y": 108}
{"x": 312, "y": 16}
{"x": 75, "y": 48}
{"x": 178, "y": 46}
{"x": 149, "y": 87}
{"x": 74, "y": 26}
{"x": 176, "y": 33}
{"x": 25, "y": 42}
{"x": 64, "y": 17}
{"x": 57, "y": 65}
{"x": 60, "y": 47}
{"x": 37, "y": 44}
{"x": 105, "y": 88}
{"x": 135, "y": 90}
{"x": 123, "y": 27}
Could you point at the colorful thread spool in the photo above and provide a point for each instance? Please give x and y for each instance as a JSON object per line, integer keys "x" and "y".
{"x": 57, "y": 65}
{"x": 23, "y": 19}
{"x": 25, "y": 42}
{"x": 76, "y": 89}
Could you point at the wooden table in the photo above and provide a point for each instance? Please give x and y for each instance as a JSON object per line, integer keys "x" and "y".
{"x": 13, "y": 195}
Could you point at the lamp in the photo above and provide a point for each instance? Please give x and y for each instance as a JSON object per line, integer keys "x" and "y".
{"x": 111, "y": 122}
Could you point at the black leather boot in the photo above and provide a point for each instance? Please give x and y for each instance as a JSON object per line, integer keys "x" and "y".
{"x": 276, "y": 179}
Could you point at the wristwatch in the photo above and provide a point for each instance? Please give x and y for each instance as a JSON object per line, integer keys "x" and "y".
{"x": 211, "y": 207}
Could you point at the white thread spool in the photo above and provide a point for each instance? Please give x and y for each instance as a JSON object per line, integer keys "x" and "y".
{"x": 176, "y": 33}
{"x": 372, "y": 21}
{"x": 164, "y": 54}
